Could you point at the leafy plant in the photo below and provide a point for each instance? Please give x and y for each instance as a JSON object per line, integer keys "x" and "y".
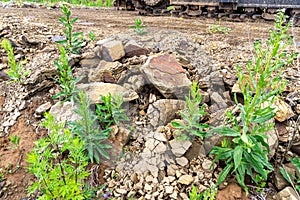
{"x": 87, "y": 130}
{"x": 294, "y": 181}
{"x": 66, "y": 80}
{"x": 139, "y": 27}
{"x": 244, "y": 148}
{"x": 58, "y": 162}
{"x": 15, "y": 140}
{"x": 92, "y": 36}
{"x": 16, "y": 71}
{"x": 209, "y": 194}
{"x": 191, "y": 116}
{"x": 73, "y": 42}
{"x": 217, "y": 28}
{"x": 110, "y": 111}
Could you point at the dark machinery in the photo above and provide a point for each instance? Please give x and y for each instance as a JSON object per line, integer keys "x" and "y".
{"x": 219, "y": 8}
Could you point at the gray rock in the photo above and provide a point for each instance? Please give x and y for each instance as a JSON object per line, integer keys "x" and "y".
{"x": 169, "y": 189}
{"x": 160, "y": 136}
{"x": 182, "y": 161}
{"x": 179, "y": 147}
{"x": 287, "y": 193}
{"x": 206, "y": 165}
{"x": 94, "y": 90}
{"x": 43, "y": 108}
{"x": 163, "y": 111}
{"x": 272, "y": 142}
{"x": 160, "y": 148}
{"x": 167, "y": 75}
{"x": 64, "y": 112}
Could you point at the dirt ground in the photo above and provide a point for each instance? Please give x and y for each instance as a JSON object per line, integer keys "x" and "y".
{"x": 226, "y": 50}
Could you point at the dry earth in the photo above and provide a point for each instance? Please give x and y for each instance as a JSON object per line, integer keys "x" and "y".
{"x": 226, "y": 50}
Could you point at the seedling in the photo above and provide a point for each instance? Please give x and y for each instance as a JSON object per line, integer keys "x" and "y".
{"x": 217, "y": 28}
{"x": 139, "y": 27}
{"x": 16, "y": 71}
{"x": 92, "y": 36}
{"x": 15, "y": 140}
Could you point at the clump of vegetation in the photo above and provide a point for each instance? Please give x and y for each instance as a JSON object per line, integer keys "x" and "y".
{"x": 86, "y": 129}
{"x": 217, "y": 28}
{"x": 246, "y": 152}
{"x": 73, "y": 42}
{"x": 110, "y": 112}
{"x": 209, "y": 194}
{"x": 65, "y": 78}
{"x": 92, "y": 36}
{"x": 191, "y": 115}
{"x": 16, "y": 71}
{"x": 59, "y": 163}
{"x": 15, "y": 140}
{"x": 139, "y": 27}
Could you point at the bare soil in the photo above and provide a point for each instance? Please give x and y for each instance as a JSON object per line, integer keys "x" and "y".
{"x": 225, "y": 49}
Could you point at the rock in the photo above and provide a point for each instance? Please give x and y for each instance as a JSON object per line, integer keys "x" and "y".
{"x": 120, "y": 136}
{"x": 279, "y": 181}
{"x": 284, "y": 110}
{"x": 148, "y": 187}
{"x": 167, "y": 75}
{"x": 179, "y": 147}
{"x": 121, "y": 191}
{"x": 182, "y": 161}
{"x": 4, "y": 76}
{"x": 231, "y": 192}
{"x": 151, "y": 144}
{"x": 112, "y": 51}
{"x": 163, "y": 111}
{"x": 171, "y": 170}
{"x": 185, "y": 179}
{"x": 64, "y": 112}
{"x": 90, "y": 63}
{"x": 169, "y": 189}
{"x": 184, "y": 196}
{"x": 43, "y": 108}
{"x": 160, "y": 136}
{"x": 206, "y": 165}
{"x": 287, "y": 193}
{"x": 296, "y": 148}
{"x": 133, "y": 49}
{"x": 160, "y": 148}
{"x": 94, "y": 90}
{"x": 218, "y": 102}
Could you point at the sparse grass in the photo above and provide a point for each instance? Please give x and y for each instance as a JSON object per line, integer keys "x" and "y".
{"x": 217, "y": 28}
{"x": 139, "y": 27}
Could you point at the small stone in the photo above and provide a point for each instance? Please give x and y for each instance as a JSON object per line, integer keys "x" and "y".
{"x": 174, "y": 195}
{"x": 184, "y": 196}
{"x": 148, "y": 187}
{"x": 179, "y": 147}
{"x": 148, "y": 196}
{"x": 206, "y": 165}
{"x": 186, "y": 179}
{"x": 134, "y": 49}
{"x": 112, "y": 51}
{"x": 43, "y": 108}
{"x": 160, "y": 148}
{"x": 171, "y": 169}
{"x": 182, "y": 161}
{"x": 160, "y": 136}
{"x": 121, "y": 191}
{"x": 169, "y": 189}
{"x": 149, "y": 178}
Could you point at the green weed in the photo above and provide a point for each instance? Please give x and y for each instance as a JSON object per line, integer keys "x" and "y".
{"x": 92, "y": 36}
{"x": 16, "y": 71}
{"x": 73, "y": 42}
{"x": 15, "y": 140}
{"x": 110, "y": 111}
{"x": 191, "y": 115}
{"x": 217, "y": 28}
{"x": 246, "y": 153}
{"x": 209, "y": 194}
{"x": 65, "y": 77}
{"x": 139, "y": 27}
{"x": 87, "y": 130}
{"x": 58, "y": 162}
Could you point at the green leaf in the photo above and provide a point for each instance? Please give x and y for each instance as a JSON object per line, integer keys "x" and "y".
{"x": 226, "y": 131}
{"x": 224, "y": 174}
{"x": 237, "y": 156}
{"x": 178, "y": 125}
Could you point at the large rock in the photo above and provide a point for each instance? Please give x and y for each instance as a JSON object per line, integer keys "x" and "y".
{"x": 179, "y": 147}
{"x": 134, "y": 49}
{"x": 272, "y": 142}
{"x": 96, "y": 89}
{"x": 167, "y": 75}
{"x": 110, "y": 50}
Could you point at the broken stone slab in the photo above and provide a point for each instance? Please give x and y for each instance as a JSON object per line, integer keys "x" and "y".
{"x": 43, "y": 108}
{"x": 132, "y": 48}
{"x": 179, "y": 147}
{"x": 96, "y": 89}
{"x": 163, "y": 111}
{"x": 272, "y": 141}
{"x": 110, "y": 50}
{"x": 167, "y": 76}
